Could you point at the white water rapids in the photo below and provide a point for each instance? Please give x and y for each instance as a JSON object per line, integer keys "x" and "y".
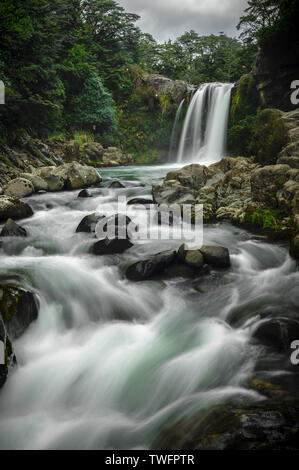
{"x": 109, "y": 362}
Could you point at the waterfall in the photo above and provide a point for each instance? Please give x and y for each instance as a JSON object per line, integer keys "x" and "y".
{"x": 204, "y": 131}
{"x": 173, "y": 139}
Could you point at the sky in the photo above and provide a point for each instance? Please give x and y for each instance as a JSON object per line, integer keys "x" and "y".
{"x": 168, "y": 19}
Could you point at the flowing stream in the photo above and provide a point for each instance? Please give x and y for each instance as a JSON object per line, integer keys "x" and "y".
{"x": 109, "y": 362}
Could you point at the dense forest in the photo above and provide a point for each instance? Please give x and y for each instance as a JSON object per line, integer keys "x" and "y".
{"x": 69, "y": 67}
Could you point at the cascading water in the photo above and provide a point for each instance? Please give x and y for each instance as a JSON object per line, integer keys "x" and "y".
{"x": 204, "y": 131}
{"x": 109, "y": 363}
{"x": 173, "y": 139}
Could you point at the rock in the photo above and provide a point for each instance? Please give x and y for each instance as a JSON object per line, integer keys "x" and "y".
{"x": 194, "y": 258}
{"x": 176, "y": 90}
{"x": 116, "y": 184}
{"x": 116, "y": 225}
{"x": 216, "y": 256}
{"x": 266, "y": 181}
{"x": 73, "y": 175}
{"x": 11, "y": 229}
{"x": 54, "y": 183}
{"x": 38, "y": 183}
{"x": 262, "y": 426}
{"x": 19, "y": 308}
{"x": 113, "y": 156}
{"x": 294, "y": 247}
{"x": 84, "y": 193}
{"x": 111, "y": 246}
{"x": 89, "y": 222}
{"x": 278, "y": 333}
{"x": 93, "y": 150}
{"x": 14, "y": 208}
{"x": 19, "y": 187}
{"x": 293, "y": 162}
{"x": 147, "y": 269}
{"x": 6, "y": 348}
{"x": 140, "y": 201}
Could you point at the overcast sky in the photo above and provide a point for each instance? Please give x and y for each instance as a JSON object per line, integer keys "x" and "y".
{"x": 166, "y": 19}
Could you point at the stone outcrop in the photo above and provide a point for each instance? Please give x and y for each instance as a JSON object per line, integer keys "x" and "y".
{"x": 223, "y": 188}
{"x": 175, "y": 89}
{"x": 13, "y": 208}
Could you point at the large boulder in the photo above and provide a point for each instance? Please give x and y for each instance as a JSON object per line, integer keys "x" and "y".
{"x": 175, "y": 89}
{"x": 89, "y": 222}
{"x": 149, "y": 268}
{"x": 14, "y": 208}
{"x": 19, "y": 187}
{"x": 74, "y": 175}
{"x": 94, "y": 151}
{"x": 111, "y": 246}
{"x": 216, "y": 256}
{"x": 277, "y": 333}
{"x": 7, "y": 357}
{"x": 38, "y": 183}
{"x": 113, "y": 156}
{"x": 266, "y": 181}
{"x": 11, "y": 229}
{"x": 19, "y": 308}
{"x": 54, "y": 183}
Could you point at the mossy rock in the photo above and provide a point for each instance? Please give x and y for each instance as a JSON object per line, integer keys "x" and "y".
{"x": 269, "y": 137}
{"x": 277, "y": 223}
{"x": 18, "y": 308}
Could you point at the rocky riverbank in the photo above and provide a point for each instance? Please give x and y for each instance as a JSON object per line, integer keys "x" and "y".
{"x": 243, "y": 191}
{"x": 26, "y": 155}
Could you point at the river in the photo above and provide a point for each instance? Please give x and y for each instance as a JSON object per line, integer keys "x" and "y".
{"x": 109, "y": 362}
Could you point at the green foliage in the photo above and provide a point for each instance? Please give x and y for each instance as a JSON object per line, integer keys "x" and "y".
{"x": 270, "y": 220}
{"x": 242, "y": 120}
{"x": 245, "y": 100}
{"x": 269, "y": 136}
{"x": 92, "y": 108}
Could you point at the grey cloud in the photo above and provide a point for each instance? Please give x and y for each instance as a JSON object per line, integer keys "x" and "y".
{"x": 166, "y": 19}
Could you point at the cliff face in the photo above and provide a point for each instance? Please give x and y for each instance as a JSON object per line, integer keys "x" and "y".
{"x": 275, "y": 68}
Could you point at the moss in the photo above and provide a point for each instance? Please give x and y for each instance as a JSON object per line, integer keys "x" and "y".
{"x": 245, "y": 99}
{"x": 269, "y": 137}
{"x": 6, "y": 160}
{"x": 270, "y": 221}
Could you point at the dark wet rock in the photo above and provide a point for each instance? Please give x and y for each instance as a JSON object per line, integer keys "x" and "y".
{"x": 278, "y": 333}
{"x": 149, "y": 268}
{"x": 11, "y": 229}
{"x": 111, "y": 246}
{"x": 140, "y": 201}
{"x": 193, "y": 258}
{"x": 89, "y": 222}
{"x": 84, "y": 193}
{"x": 6, "y": 349}
{"x": 117, "y": 225}
{"x": 216, "y": 256}
{"x": 19, "y": 308}
{"x": 264, "y": 426}
{"x": 14, "y": 208}
{"x": 116, "y": 185}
